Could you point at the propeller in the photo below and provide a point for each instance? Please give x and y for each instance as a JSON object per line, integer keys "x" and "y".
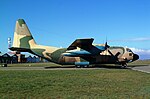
{"x": 106, "y": 45}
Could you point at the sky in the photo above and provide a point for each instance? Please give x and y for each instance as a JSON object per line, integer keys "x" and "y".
{"x": 59, "y": 22}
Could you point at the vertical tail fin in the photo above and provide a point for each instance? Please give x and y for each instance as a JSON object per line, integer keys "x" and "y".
{"x": 23, "y": 39}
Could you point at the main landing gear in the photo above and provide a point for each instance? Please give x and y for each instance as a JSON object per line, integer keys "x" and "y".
{"x": 82, "y": 66}
{"x": 123, "y": 65}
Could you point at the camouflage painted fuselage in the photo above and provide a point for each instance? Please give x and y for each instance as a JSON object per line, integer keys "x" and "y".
{"x": 80, "y": 52}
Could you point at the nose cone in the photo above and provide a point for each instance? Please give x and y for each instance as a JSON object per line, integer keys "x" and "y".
{"x": 135, "y": 57}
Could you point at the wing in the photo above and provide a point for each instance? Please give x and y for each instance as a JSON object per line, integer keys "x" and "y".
{"x": 81, "y": 43}
{"x": 86, "y": 44}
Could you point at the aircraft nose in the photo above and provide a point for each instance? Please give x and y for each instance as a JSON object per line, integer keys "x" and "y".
{"x": 135, "y": 57}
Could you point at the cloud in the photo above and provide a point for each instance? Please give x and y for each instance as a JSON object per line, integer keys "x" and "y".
{"x": 141, "y": 39}
{"x": 144, "y": 54}
{"x": 140, "y": 51}
{"x": 131, "y": 40}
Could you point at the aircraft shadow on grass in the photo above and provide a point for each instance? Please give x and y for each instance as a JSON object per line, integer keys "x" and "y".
{"x": 99, "y": 67}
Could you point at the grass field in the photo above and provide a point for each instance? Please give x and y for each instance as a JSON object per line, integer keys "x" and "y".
{"x": 74, "y": 84}
{"x": 48, "y": 64}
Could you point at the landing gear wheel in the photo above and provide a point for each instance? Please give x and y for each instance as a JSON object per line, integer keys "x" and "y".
{"x": 85, "y": 66}
{"x": 124, "y": 65}
{"x": 78, "y": 66}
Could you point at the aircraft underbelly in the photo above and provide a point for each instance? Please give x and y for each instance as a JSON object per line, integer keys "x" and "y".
{"x": 96, "y": 60}
{"x": 68, "y": 60}
{"x": 105, "y": 59}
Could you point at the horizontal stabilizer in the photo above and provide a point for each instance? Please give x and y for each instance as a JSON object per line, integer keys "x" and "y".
{"x": 19, "y": 49}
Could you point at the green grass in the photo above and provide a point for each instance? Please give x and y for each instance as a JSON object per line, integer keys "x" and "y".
{"x": 74, "y": 84}
{"x": 49, "y": 64}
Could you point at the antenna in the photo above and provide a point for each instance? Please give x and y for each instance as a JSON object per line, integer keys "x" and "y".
{"x": 9, "y": 42}
{"x": 106, "y": 39}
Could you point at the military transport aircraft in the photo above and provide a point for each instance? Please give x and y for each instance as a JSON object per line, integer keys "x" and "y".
{"x": 80, "y": 53}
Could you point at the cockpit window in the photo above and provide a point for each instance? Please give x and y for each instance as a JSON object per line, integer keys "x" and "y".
{"x": 128, "y": 50}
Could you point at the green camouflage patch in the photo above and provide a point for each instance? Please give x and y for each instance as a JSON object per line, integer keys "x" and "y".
{"x": 24, "y": 42}
{"x": 21, "y": 21}
{"x": 56, "y": 55}
{"x": 38, "y": 52}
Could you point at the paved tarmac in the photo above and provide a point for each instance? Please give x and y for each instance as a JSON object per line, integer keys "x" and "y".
{"x": 21, "y": 68}
{"x": 145, "y": 69}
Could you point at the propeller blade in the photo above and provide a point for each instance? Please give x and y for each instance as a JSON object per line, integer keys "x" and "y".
{"x": 106, "y": 45}
{"x": 115, "y": 56}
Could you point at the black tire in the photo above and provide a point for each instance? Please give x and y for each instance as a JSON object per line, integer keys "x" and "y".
{"x": 5, "y": 65}
{"x": 86, "y": 66}
{"x": 78, "y": 66}
{"x": 124, "y": 65}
